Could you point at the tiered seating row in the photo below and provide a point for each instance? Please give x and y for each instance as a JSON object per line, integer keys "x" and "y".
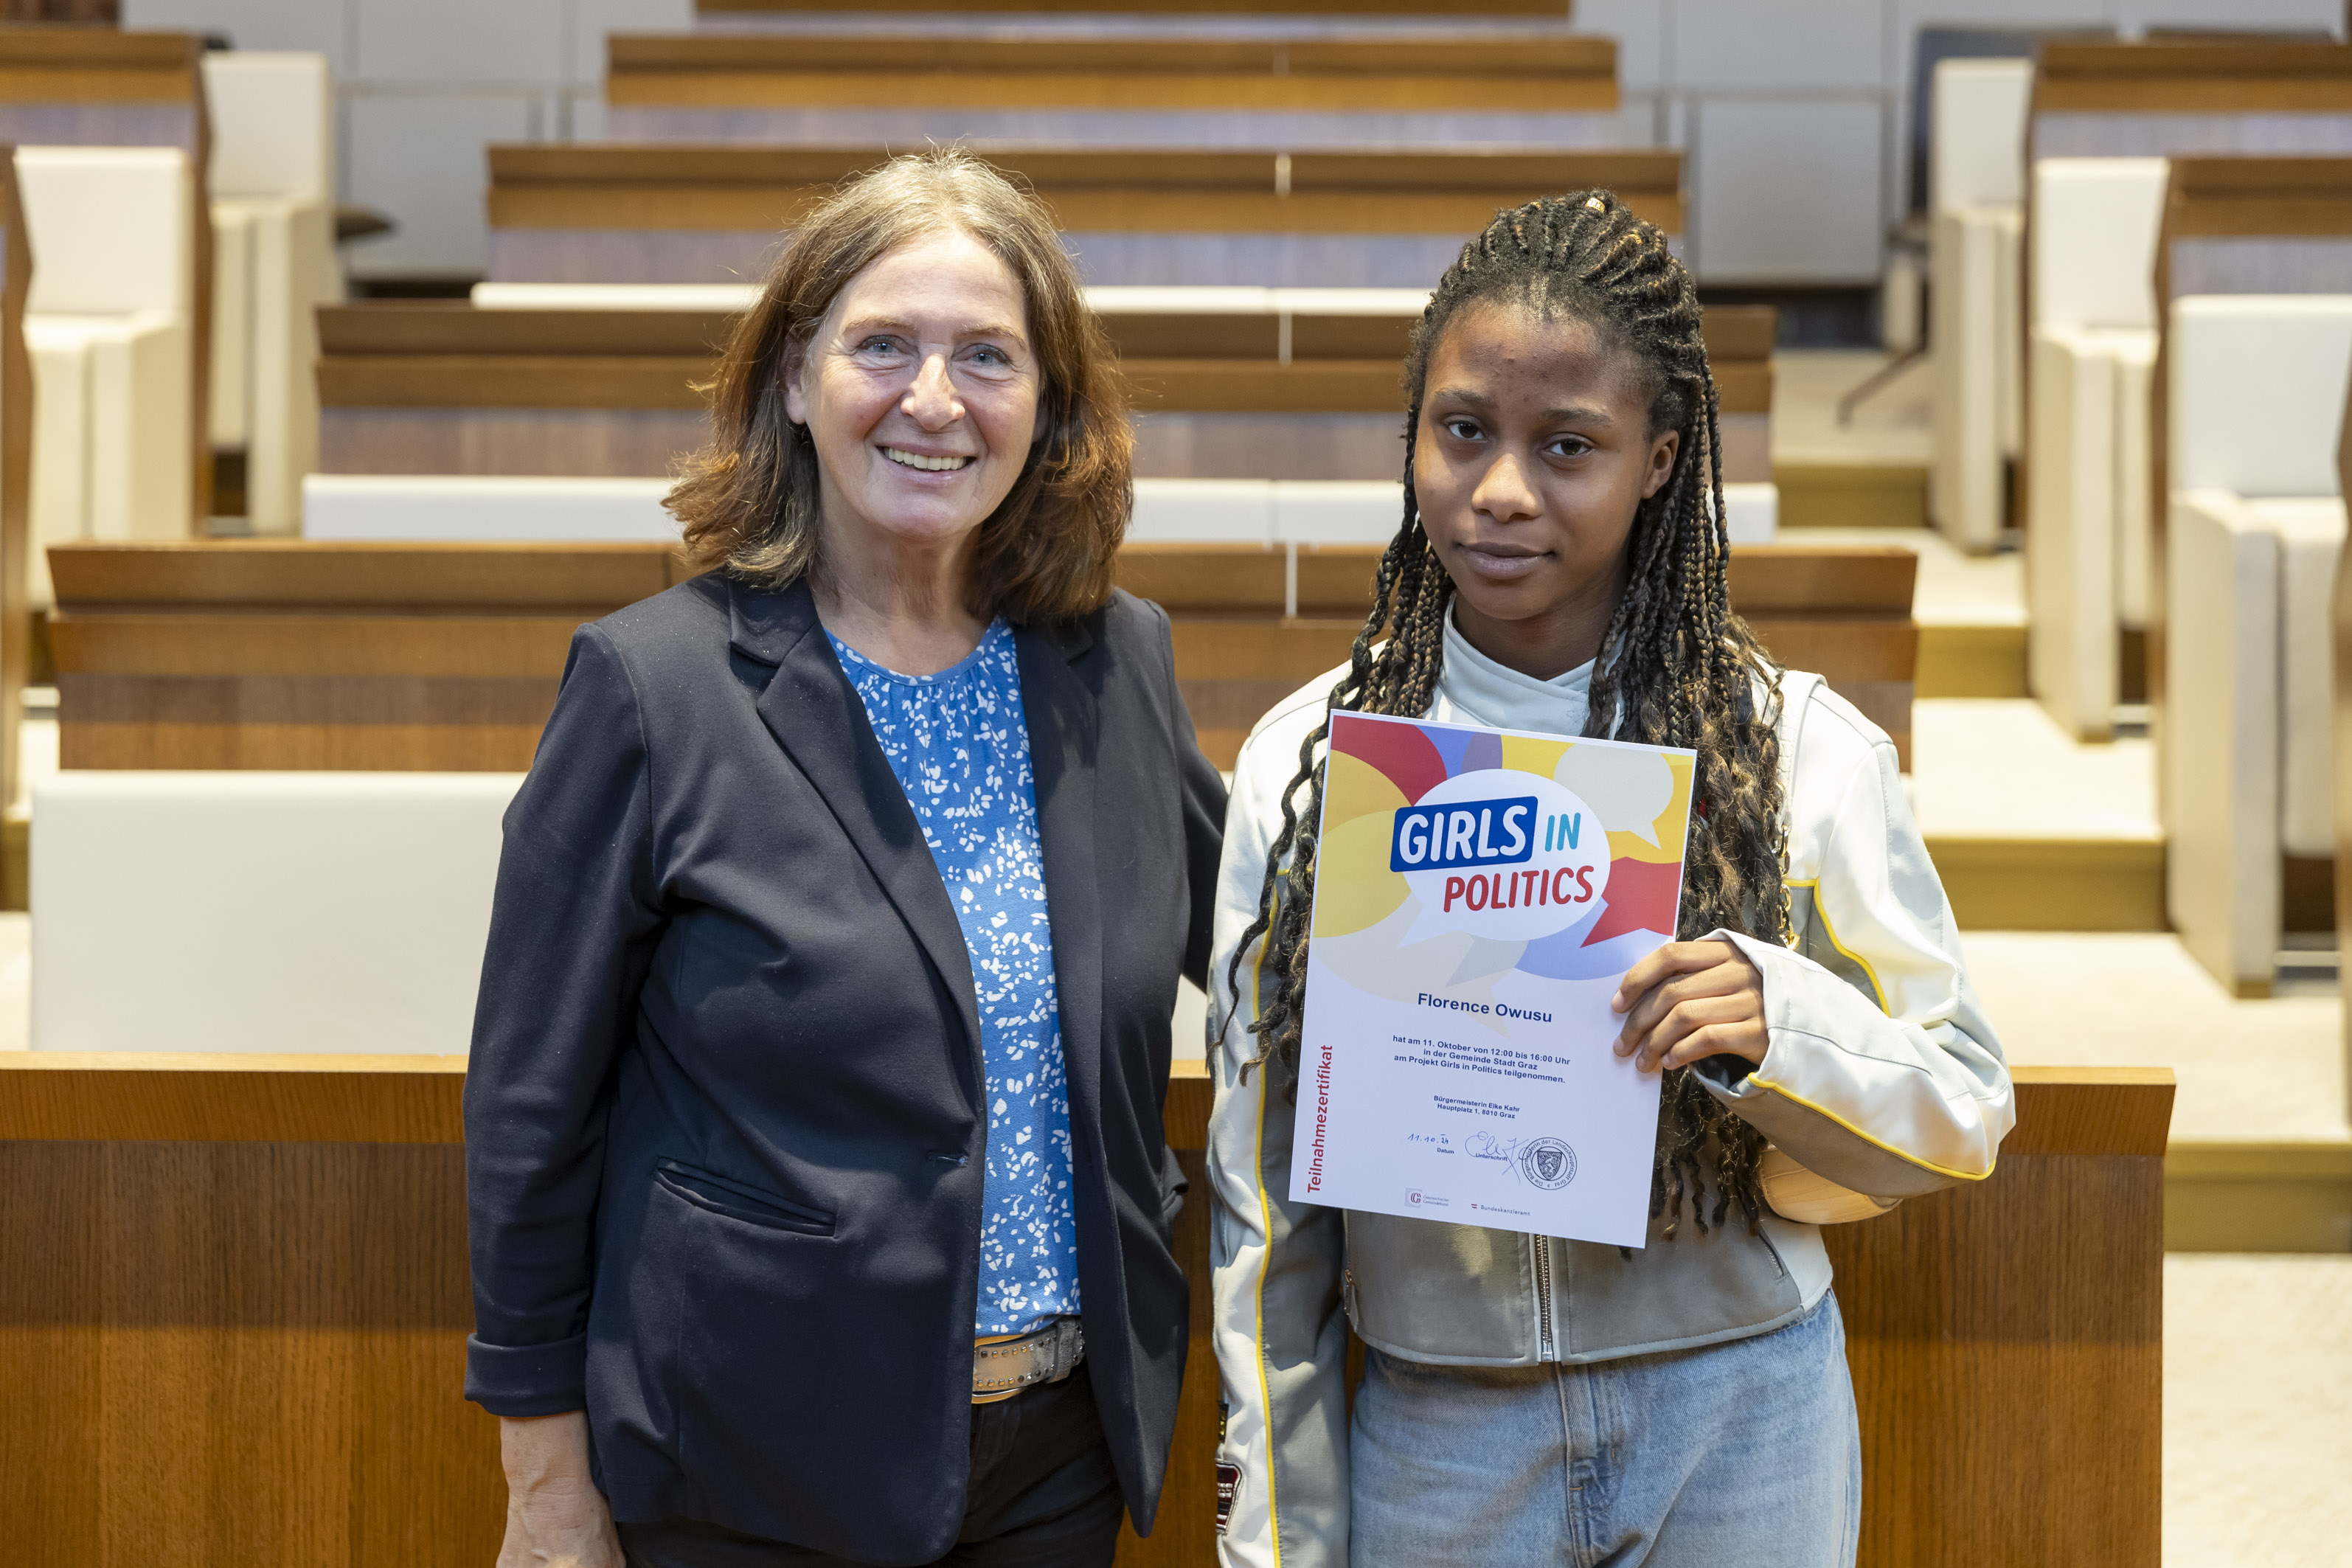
{"x": 711, "y": 213}
{"x": 1294, "y": 393}
{"x": 1334, "y": 91}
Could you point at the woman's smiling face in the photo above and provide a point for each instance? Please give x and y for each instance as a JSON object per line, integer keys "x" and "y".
{"x": 921, "y": 394}
{"x": 1532, "y": 457}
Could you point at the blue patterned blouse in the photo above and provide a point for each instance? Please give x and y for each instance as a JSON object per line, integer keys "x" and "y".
{"x": 957, "y": 742}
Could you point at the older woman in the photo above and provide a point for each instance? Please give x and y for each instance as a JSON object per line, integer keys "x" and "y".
{"x": 819, "y": 1197}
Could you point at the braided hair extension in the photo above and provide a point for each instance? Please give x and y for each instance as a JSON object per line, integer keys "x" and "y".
{"x": 1676, "y": 666}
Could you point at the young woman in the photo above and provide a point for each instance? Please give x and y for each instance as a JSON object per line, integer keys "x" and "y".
{"x": 1561, "y": 568}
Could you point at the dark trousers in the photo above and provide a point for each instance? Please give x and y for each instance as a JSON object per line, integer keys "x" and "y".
{"x": 1043, "y": 1495}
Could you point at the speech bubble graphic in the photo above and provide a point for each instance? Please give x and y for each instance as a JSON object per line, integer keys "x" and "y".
{"x": 1627, "y": 789}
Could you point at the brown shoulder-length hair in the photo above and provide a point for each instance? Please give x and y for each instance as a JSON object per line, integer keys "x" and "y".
{"x": 748, "y": 500}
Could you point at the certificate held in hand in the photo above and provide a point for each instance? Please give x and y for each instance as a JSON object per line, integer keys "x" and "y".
{"x": 1479, "y": 895}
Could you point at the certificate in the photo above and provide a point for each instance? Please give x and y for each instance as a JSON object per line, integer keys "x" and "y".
{"x": 1479, "y": 895}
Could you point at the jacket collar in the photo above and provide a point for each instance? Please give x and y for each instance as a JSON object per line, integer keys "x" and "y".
{"x": 818, "y": 718}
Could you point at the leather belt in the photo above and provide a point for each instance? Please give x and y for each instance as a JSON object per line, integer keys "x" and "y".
{"x": 1001, "y": 1368}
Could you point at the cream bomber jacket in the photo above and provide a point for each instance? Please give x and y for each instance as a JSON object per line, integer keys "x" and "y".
{"x": 1881, "y": 1075}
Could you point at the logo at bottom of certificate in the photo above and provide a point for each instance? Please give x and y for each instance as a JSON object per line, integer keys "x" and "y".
{"x": 1546, "y": 1163}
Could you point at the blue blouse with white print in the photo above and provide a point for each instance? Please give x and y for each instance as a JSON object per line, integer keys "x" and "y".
{"x": 961, "y": 750}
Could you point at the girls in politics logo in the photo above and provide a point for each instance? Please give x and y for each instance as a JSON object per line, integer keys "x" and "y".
{"x": 1554, "y": 857}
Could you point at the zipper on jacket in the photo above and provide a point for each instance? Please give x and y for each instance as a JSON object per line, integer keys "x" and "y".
{"x": 1543, "y": 1297}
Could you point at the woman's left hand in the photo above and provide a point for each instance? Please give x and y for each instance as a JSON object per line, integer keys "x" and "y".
{"x": 1689, "y": 1000}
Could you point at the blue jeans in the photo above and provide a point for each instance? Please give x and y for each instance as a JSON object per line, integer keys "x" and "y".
{"x": 1742, "y": 1454}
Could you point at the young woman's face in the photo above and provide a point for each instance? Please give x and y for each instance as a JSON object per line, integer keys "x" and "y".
{"x": 920, "y": 393}
{"x": 1532, "y": 456}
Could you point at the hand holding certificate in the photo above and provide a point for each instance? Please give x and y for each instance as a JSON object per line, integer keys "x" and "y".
{"x": 1479, "y": 895}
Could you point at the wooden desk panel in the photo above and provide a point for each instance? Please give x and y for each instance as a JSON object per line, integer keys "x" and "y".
{"x": 2007, "y": 1342}
{"x": 227, "y": 1340}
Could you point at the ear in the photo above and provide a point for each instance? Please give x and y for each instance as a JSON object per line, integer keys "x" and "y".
{"x": 1662, "y": 462}
{"x": 796, "y": 407}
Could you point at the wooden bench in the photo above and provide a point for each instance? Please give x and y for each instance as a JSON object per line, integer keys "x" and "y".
{"x": 1251, "y": 627}
{"x": 77, "y": 87}
{"x": 1181, "y": 90}
{"x": 305, "y": 655}
{"x": 1301, "y": 393}
{"x": 740, "y": 10}
{"x": 669, "y": 214}
{"x": 294, "y": 654}
{"x": 433, "y": 387}
{"x": 189, "y": 1234}
{"x": 2094, "y": 99}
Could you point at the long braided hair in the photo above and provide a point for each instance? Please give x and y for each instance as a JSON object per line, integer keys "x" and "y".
{"x": 1676, "y": 666}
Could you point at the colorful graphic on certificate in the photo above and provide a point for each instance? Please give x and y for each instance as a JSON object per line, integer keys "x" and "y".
{"x": 1479, "y": 895}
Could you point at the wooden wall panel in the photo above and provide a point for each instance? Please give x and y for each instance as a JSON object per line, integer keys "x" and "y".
{"x": 227, "y": 1341}
{"x": 239, "y": 1353}
{"x": 2007, "y": 1342}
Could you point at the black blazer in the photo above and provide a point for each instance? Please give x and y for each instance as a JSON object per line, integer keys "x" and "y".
{"x": 724, "y": 1126}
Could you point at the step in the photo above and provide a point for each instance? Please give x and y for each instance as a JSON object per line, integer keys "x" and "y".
{"x": 2260, "y": 1153}
{"x": 2032, "y": 829}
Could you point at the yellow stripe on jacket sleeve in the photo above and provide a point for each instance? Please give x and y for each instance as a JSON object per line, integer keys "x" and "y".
{"x": 1829, "y": 928}
{"x": 1760, "y": 1081}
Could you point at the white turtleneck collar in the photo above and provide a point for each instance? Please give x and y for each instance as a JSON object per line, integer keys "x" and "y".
{"x": 1474, "y": 689}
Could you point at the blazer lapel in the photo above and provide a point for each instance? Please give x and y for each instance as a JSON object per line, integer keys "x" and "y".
{"x": 817, "y": 717}
{"x": 1060, "y": 711}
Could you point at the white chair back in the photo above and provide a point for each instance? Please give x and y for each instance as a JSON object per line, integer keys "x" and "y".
{"x": 2256, "y": 387}
{"x": 2092, "y": 242}
{"x": 1976, "y": 145}
{"x": 273, "y": 124}
{"x": 108, "y": 229}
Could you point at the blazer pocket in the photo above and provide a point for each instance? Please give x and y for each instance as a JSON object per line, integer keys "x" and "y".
{"x": 725, "y": 1195}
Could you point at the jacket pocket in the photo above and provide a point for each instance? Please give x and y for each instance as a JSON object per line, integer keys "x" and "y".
{"x": 719, "y": 1194}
